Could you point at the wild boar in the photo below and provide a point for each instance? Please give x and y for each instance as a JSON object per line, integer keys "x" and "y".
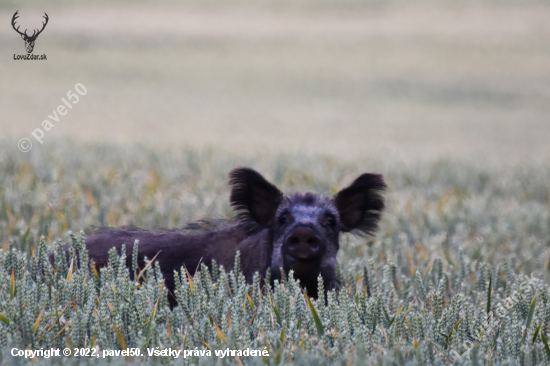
{"x": 272, "y": 231}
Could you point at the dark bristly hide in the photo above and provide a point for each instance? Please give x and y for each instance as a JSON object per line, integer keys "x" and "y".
{"x": 272, "y": 231}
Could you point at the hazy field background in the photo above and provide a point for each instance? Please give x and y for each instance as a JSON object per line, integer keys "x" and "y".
{"x": 449, "y": 100}
{"x": 422, "y": 79}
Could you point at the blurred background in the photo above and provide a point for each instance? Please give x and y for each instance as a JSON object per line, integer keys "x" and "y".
{"x": 346, "y": 78}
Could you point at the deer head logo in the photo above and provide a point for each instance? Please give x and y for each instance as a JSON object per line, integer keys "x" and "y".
{"x": 29, "y": 40}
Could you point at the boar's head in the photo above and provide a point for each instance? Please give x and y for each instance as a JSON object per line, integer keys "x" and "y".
{"x": 304, "y": 229}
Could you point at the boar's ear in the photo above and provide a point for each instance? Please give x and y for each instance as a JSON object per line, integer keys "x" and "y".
{"x": 254, "y": 197}
{"x": 361, "y": 204}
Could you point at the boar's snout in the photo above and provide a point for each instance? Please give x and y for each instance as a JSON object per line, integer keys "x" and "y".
{"x": 303, "y": 244}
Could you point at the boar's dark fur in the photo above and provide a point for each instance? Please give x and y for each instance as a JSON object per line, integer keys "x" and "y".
{"x": 298, "y": 232}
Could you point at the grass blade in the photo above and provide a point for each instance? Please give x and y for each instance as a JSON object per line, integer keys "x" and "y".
{"x": 391, "y": 322}
{"x": 489, "y": 295}
{"x": 70, "y": 274}
{"x": 545, "y": 344}
{"x": 149, "y": 328}
{"x": 282, "y": 337}
{"x": 278, "y": 314}
{"x": 531, "y": 312}
{"x": 96, "y": 273}
{"x": 529, "y": 318}
{"x": 37, "y": 322}
{"x": 250, "y": 301}
{"x": 59, "y": 333}
{"x": 120, "y": 338}
{"x": 316, "y": 319}
{"x": 4, "y": 319}
{"x": 147, "y": 266}
{"x": 219, "y": 333}
{"x": 537, "y": 333}
{"x": 12, "y": 286}
{"x": 118, "y": 293}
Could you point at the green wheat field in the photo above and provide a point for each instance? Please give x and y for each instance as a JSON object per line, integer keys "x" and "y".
{"x": 449, "y": 100}
{"x": 461, "y": 263}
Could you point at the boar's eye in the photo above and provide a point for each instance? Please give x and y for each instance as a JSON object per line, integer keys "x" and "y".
{"x": 329, "y": 220}
{"x": 283, "y": 219}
